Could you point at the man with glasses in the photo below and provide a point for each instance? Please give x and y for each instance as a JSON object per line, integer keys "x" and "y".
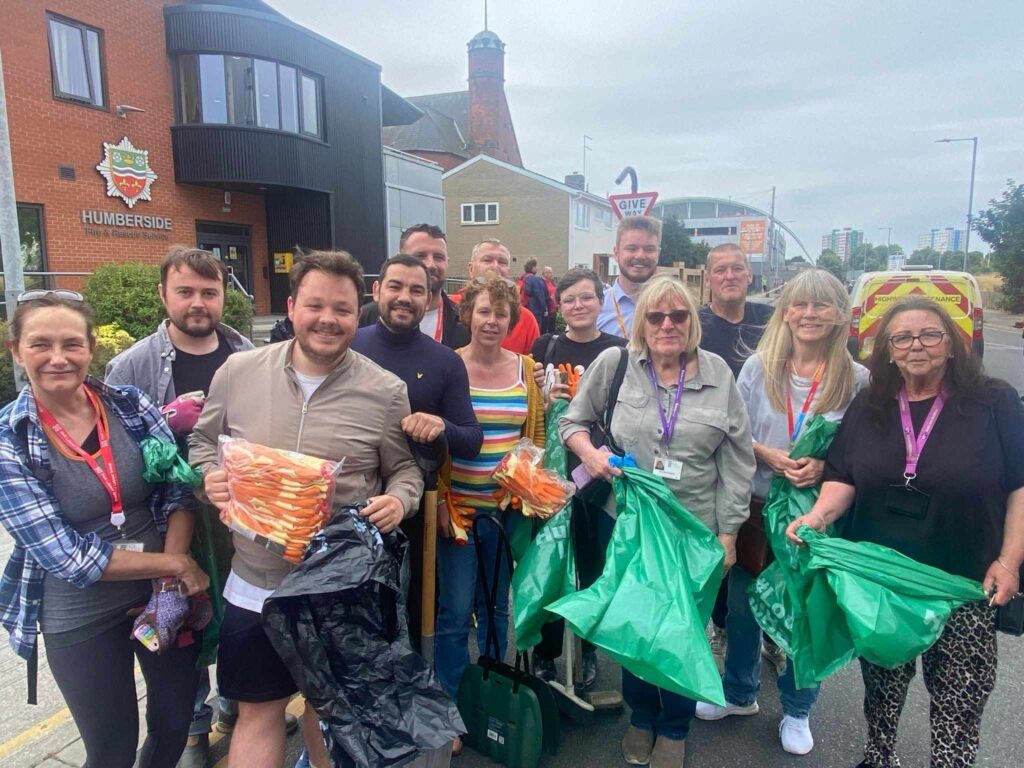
{"x": 174, "y": 367}
{"x": 441, "y": 319}
{"x": 637, "y": 248}
{"x": 731, "y": 327}
{"x": 493, "y": 257}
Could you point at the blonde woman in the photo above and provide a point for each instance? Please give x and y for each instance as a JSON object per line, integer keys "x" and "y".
{"x": 801, "y": 369}
{"x": 680, "y": 415}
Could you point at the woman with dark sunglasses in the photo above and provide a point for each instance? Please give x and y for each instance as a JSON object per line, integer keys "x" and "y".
{"x": 929, "y": 461}
{"x": 680, "y": 415}
{"x": 93, "y": 539}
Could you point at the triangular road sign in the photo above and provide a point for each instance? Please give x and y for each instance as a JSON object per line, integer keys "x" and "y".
{"x": 636, "y": 204}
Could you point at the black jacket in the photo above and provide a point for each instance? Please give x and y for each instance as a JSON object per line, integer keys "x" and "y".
{"x": 339, "y": 623}
{"x": 453, "y": 333}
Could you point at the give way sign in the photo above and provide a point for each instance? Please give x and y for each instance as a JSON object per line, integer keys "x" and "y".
{"x": 636, "y": 204}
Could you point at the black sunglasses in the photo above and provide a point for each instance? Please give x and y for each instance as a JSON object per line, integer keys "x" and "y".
{"x": 677, "y": 316}
{"x": 41, "y": 293}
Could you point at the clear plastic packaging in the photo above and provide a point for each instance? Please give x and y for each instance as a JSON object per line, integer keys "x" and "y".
{"x": 542, "y": 492}
{"x": 279, "y": 499}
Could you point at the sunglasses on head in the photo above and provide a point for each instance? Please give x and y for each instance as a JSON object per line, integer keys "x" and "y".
{"x": 677, "y": 316}
{"x": 41, "y": 293}
{"x": 484, "y": 280}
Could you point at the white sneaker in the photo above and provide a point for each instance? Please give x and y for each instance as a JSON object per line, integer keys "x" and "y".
{"x": 795, "y": 734}
{"x": 715, "y": 712}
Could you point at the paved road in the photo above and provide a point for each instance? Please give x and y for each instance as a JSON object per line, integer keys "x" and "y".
{"x": 1003, "y": 344}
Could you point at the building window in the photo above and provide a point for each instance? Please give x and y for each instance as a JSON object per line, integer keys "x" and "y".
{"x": 582, "y": 216}
{"x": 238, "y": 90}
{"x": 479, "y": 213}
{"x": 33, "y": 245}
{"x": 76, "y": 61}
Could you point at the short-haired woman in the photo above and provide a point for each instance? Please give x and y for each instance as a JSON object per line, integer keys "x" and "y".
{"x": 929, "y": 460}
{"x": 801, "y": 369}
{"x": 680, "y": 415}
{"x": 89, "y": 536}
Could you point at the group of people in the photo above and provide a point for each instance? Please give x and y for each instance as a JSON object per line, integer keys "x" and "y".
{"x": 928, "y": 460}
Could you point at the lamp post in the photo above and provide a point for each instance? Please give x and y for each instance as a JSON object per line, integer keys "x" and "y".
{"x": 970, "y": 198}
{"x": 888, "y": 244}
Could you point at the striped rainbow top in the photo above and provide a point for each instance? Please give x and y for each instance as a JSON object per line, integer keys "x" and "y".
{"x": 502, "y": 414}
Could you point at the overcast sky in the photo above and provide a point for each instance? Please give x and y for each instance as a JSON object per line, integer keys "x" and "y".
{"x": 836, "y": 104}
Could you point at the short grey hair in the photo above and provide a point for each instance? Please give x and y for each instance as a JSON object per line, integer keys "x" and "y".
{"x": 490, "y": 241}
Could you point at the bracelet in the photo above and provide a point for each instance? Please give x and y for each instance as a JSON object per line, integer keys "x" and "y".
{"x": 1006, "y": 569}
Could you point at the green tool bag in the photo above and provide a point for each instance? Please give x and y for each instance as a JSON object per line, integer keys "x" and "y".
{"x": 505, "y": 709}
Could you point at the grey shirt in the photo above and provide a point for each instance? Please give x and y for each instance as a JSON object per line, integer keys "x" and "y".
{"x": 711, "y": 438}
{"x": 85, "y": 504}
{"x": 768, "y": 426}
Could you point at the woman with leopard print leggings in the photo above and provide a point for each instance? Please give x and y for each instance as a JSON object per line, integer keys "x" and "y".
{"x": 929, "y": 461}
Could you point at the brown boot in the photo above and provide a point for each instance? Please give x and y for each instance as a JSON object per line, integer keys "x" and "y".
{"x": 637, "y": 745}
{"x": 668, "y": 753}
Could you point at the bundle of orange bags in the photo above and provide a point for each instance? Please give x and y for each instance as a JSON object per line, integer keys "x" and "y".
{"x": 279, "y": 499}
{"x": 521, "y": 475}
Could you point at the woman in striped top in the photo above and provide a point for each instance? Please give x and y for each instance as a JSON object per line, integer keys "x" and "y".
{"x": 509, "y": 406}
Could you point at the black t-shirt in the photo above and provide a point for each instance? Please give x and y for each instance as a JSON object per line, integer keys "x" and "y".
{"x": 724, "y": 338}
{"x": 193, "y": 373}
{"x": 971, "y": 463}
{"x": 573, "y": 352}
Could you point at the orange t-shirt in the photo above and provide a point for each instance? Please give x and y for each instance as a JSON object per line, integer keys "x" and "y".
{"x": 520, "y": 339}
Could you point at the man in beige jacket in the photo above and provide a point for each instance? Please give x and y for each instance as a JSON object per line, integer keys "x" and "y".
{"x": 315, "y": 396}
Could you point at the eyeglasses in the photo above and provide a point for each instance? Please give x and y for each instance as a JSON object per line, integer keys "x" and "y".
{"x": 583, "y": 298}
{"x": 677, "y": 316}
{"x": 40, "y": 293}
{"x": 927, "y": 339}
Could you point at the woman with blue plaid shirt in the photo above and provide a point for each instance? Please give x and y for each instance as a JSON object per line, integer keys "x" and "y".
{"x": 90, "y": 534}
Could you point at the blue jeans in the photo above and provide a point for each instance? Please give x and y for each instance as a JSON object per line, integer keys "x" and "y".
{"x": 202, "y": 711}
{"x": 743, "y": 655}
{"x": 459, "y": 595}
{"x": 655, "y": 709}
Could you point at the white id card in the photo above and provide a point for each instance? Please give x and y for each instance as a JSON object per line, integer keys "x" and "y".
{"x": 129, "y": 545}
{"x": 670, "y": 469}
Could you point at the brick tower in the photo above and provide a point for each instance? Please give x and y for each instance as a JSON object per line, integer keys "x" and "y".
{"x": 490, "y": 124}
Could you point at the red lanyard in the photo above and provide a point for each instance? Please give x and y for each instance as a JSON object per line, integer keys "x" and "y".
{"x": 794, "y": 429}
{"x": 915, "y": 443}
{"x": 106, "y": 474}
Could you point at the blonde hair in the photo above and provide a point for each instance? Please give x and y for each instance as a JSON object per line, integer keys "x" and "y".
{"x": 776, "y": 345}
{"x": 655, "y": 291}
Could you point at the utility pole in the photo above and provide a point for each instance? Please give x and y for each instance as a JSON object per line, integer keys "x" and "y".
{"x": 10, "y": 239}
{"x": 970, "y": 198}
{"x": 772, "y": 254}
{"x": 586, "y": 148}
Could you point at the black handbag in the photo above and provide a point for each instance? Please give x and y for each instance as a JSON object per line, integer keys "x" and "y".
{"x": 597, "y": 491}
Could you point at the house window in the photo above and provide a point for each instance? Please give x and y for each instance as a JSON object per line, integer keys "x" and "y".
{"x": 76, "y": 61}
{"x": 608, "y": 216}
{"x": 239, "y": 90}
{"x": 582, "y": 216}
{"x": 33, "y": 246}
{"x": 479, "y": 213}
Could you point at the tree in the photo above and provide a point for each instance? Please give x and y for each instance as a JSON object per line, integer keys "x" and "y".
{"x": 832, "y": 263}
{"x": 677, "y": 245}
{"x": 796, "y": 260}
{"x": 1002, "y": 227}
{"x": 925, "y": 256}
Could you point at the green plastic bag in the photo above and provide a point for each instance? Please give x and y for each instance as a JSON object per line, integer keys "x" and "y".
{"x": 545, "y": 573}
{"x": 163, "y": 464}
{"x": 894, "y": 607}
{"x": 649, "y": 607}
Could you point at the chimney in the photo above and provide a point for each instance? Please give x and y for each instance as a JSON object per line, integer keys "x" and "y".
{"x": 576, "y": 180}
{"x": 490, "y": 125}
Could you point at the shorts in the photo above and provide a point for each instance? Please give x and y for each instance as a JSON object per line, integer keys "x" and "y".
{"x": 248, "y": 667}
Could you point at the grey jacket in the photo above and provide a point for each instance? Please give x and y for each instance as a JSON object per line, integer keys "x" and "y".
{"x": 147, "y": 364}
{"x": 711, "y": 438}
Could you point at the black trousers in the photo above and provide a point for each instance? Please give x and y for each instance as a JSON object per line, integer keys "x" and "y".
{"x": 97, "y": 679}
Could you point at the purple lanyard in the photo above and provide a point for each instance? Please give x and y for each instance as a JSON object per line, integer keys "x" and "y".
{"x": 668, "y": 421}
{"x": 915, "y": 443}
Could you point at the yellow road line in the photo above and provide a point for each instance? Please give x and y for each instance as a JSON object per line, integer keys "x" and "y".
{"x": 37, "y": 731}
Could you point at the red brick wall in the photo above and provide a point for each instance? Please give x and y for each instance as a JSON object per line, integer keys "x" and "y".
{"x": 489, "y": 117}
{"x": 446, "y": 160}
{"x": 47, "y": 132}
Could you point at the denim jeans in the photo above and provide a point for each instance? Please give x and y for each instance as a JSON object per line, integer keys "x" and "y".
{"x": 460, "y": 593}
{"x": 743, "y": 656}
{"x": 202, "y": 712}
{"x": 655, "y": 709}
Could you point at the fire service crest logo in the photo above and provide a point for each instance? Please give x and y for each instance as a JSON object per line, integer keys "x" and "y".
{"x": 127, "y": 172}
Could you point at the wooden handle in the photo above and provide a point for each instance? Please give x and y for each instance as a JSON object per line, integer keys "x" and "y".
{"x": 428, "y": 599}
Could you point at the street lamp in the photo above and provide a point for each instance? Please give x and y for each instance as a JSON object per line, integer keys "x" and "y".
{"x": 970, "y": 199}
{"x": 888, "y": 244}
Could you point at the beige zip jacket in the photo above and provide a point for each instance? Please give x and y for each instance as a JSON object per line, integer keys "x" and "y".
{"x": 356, "y": 414}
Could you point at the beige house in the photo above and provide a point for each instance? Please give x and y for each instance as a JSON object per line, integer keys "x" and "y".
{"x": 559, "y": 225}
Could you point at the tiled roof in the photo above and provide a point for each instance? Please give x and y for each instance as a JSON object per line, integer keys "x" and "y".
{"x": 443, "y": 127}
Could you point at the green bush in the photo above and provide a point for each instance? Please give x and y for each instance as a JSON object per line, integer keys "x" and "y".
{"x": 111, "y": 341}
{"x": 7, "y": 390}
{"x": 126, "y": 294}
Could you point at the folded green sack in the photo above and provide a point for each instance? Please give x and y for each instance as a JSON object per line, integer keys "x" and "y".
{"x": 163, "y": 464}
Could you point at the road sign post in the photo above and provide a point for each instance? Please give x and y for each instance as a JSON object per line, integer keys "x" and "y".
{"x": 635, "y": 204}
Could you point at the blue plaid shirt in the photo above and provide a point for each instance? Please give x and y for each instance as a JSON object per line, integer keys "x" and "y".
{"x": 43, "y": 539}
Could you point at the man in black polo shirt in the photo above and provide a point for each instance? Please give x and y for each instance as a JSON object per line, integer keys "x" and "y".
{"x": 731, "y": 327}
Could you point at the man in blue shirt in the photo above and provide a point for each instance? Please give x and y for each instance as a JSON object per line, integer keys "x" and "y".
{"x": 637, "y": 248}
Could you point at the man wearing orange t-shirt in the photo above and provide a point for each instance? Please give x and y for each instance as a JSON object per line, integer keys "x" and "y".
{"x": 492, "y": 256}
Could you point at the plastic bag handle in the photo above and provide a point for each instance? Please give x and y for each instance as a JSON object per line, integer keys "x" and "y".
{"x": 491, "y": 588}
